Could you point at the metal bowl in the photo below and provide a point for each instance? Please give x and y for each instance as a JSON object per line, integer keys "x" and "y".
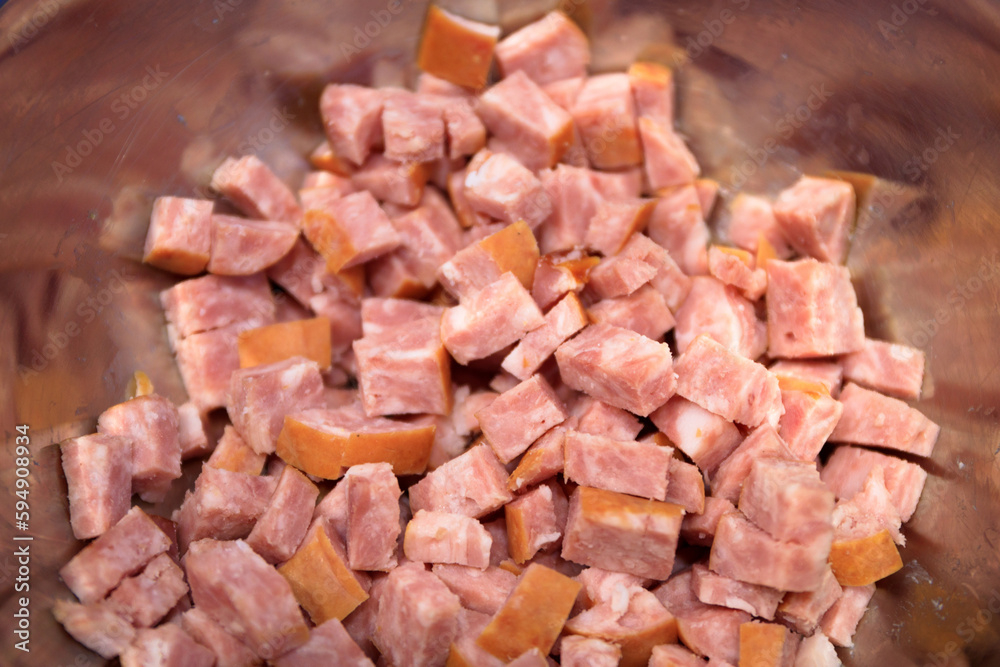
{"x": 110, "y": 104}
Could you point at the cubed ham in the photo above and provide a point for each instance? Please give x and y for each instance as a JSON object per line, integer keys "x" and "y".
{"x": 619, "y": 367}
{"x": 669, "y": 280}
{"x": 532, "y": 127}
{"x": 466, "y": 214}
{"x": 669, "y": 162}
{"x": 412, "y": 127}
{"x": 255, "y": 190}
{"x": 745, "y": 552}
{"x": 653, "y": 90}
{"x": 352, "y": 118}
{"x": 727, "y": 384}
{"x": 309, "y": 338}
{"x": 520, "y": 416}
{"x": 639, "y": 469}
{"x": 580, "y": 651}
{"x": 473, "y": 484}
{"x": 191, "y": 431}
{"x": 490, "y": 320}
{"x": 533, "y": 615}
{"x": 738, "y": 268}
{"x": 354, "y": 230}
{"x": 564, "y": 319}
{"x": 328, "y": 643}
{"x": 644, "y": 311}
{"x": 466, "y": 133}
{"x": 513, "y": 249}
{"x": 179, "y": 239}
{"x": 214, "y": 302}
{"x": 787, "y": 499}
{"x": 150, "y": 425}
{"x": 440, "y": 537}
{"x": 841, "y": 620}
{"x": 302, "y": 273}
{"x": 550, "y": 49}
{"x": 206, "y": 362}
{"x": 707, "y": 630}
{"x": 556, "y": 277}
{"x": 871, "y": 418}
{"x": 229, "y": 651}
{"x": 98, "y": 471}
{"x": 827, "y": 373}
{"x": 224, "y": 505}
{"x": 401, "y": 183}
{"x": 497, "y": 185}
{"x": 615, "y": 222}
{"x": 636, "y": 623}
{"x": 456, "y": 49}
{"x": 673, "y": 655}
{"x": 865, "y": 560}
{"x": 260, "y": 397}
{"x": 165, "y": 646}
{"x": 704, "y": 436}
{"x": 715, "y": 589}
{"x": 281, "y": 528}
{"x": 619, "y": 275}
{"x": 751, "y": 218}
{"x": 605, "y": 116}
{"x": 763, "y": 442}
{"x": 869, "y": 511}
{"x": 678, "y": 224}
{"x": 889, "y": 368}
{"x": 718, "y": 311}
{"x": 812, "y": 310}
{"x": 699, "y": 529}
{"x": 767, "y": 645}
{"x": 147, "y": 597}
{"x": 817, "y": 651}
{"x": 815, "y": 216}
{"x": 574, "y": 203}
{"x": 372, "y": 516}
{"x": 319, "y": 187}
{"x": 96, "y": 626}
{"x": 234, "y": 454}
{"x": 379, "y": 316}
{"x": 809, "y": 419}
{"x": 243, "y": 247}
{"x": 323, "y": 157}
{"x": 535, "y": 521}
{"x": 803, "y": 611}
{"x": 623, "y": 533}
{"x": 686, "y": 487}
{"x": 320, "y": 578}
{"x": 265, "y": 616}
{"x": 544, "y": 459}
{"x": 848, "y": 468}
{"x": 417, "y": 618}
{"x": 119, "y": 552}
{"x": 599, "y": 418}
{"x": 482, "y": 590}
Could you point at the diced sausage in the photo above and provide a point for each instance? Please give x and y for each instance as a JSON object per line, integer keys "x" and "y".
{"x": 816, "y": 215}
{"x": 390, "y": 181}
{"x": 639, "y": 469}
{"x": 319, "y": 187}
{"x": 636, "y": 623}
{"x": 229, "y": 651}
{"x": 480, "y": 590}
{"x": 214, "y": 302}
{"x": 191, "y": 431}
{"x": 863, "y": 561}
{"x": 644, "y": 311}
{"x": 556, "y": 277}
{"x": 535, "y": 521}
{"x": 615, "y": 222}
{"x": 465, "y": 131}
{"x": 669, "y": 162}
{"x": 809, "y": 419}
{"x": 707, "y": 630}
{"x": 869, "y": 511}
{"x": 372, "y": 516}
{"x": 653, "y": 89}
{"x": 827, "y": 373}
{"x": 179, "y": 239}
{"x": 605, "y": 116}
{"x": 513, "y": 249}
{"x": 763, "y": 442}
{"x": 234, "y": 454}
{"x": 320, "y": 578}
{"x": 441, "y": 537}
{"x": 206, "y": 362}
{"x": 579, "y": 651}
{"x": 619, "y": 276}
{"x": 669, "y": 280}
{"x": 352, "y": 118}
{"x": 599, "y": 418}
{"x": 281, "y": 528}
{"x": 497, "y": 185}
{"x": 715, "y": 589}
{"x": 766, "y": 645}
{"x": 302, "y": 273}
{"x": 354, "y": 231}
{"x": 562, "y": 321}
{"x": 255, "y": 190}
{"x": 699, "y": 529}
{"x": 473, "y": 484}
{"x": 166, "y": 646}
{"x": 412, "y": 127}
{"x": 848, "y": 468}
{"x": 520, "y": 416}
{"x": 466, "y": 214}
{"x": 224, "y": 505}
{"x": 668, "y": 655}
{"x": 718, "y": 311}
{"x": 817, "y": 651}
{"x": 871, "y": 418}
{"x": 890, "y": 368}
{"x": 752, "y": 218}
{"x": 787, "y": 499}
{"x": 95, "y": 625}
{"x": 678, "y": 224}
{"x": 704, "y": 436}
{"x": 544, "y": 459}
{"x": 309, "y": 338}
{"x": 385, "y": 315}
{"x": 98, "y": 471}
{"x": 574, "y": 203}
{"x": 150, "y": 425}
{"x": 803, "y": 611}
{"x": 244, "y": 247}
{"x": 148, "y": 596}
{"x": 456, "y": 49}
{"x": 738, "y": 268}
{"x": 550, "y": 49}
{"x": 686, "y": 487}
{"x": 841, "y": 620}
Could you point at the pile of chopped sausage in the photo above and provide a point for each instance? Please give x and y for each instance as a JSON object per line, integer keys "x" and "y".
{"x": 494, "y": 398}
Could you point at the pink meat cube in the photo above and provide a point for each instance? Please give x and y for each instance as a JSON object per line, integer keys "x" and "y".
{"x": 473, "y": 484}
{"x": 465, "y": 131}
{"x": 354, "y": 231}
{"x": 329, "y": 644}
{"x": 719, "y": 312}
{"x": 332, "y": 511}
{"x": 619, "y": 275}
{"x": 542, "y": 460}
{"x": 605, "y": 116}
{"x": 731, "y": 269}
{"x": 816, "y": 215}
{"x": 280, "y": 529}
{"x": 686, "y": 487}
{"x": 606, "y": 586}
{"x": 302, "y": 273}
{"x": 255, "y": 190}
{"x": 228, "y": 650}
{"x": 578, "y": 651}
{"x": 261, "y": 396}
{"x": 812, "y": 310}
{"x": 243, "y": 247}
{"x": 390, "y": 181}
{"x": 803, "y": 611}
{"x": 266, "y": 617}
{"x": 635, "y": 621}
{"x": 644, "y": 311}
{"x": 386, "y": 315}
{"x": 752, "y": 218}
{"x": 490, "y": 320}
{"x": 763, "y": 442}
{"x": 669, "y": 280}
{"x": 372, "y": 516}
{"x": 417, "y": 618}
{"x": 440, "y": 537}
{"x": 150, "y": 425}
{"x": 868, "y": 512}
{"x": 344, "y": 316}
{"x": 233, "y": 453}
{"x": 98, "y": 472}
{"x": 430, "y": 238}
{"x": 519, "y": 114}
{"x": 678, "y": 224}
{"x": 166, "y": 646}
{"x": 213, "y": 302}
{"x": 482, "y": 590}
{"x": 871, "y": 418}
{"x": 520, "y": 416}
{"x": 817, "y": 651}
{"x": 808, "y": 421}
{"x": 619, "y": 184}
{"x": 707, "y": 630}
{"x": 614, "y": 223}
{"x": 550, "y": 49}
{"x": 841, "y": 620}
{"x": 497, "y": 185}
{"x": 147, "y": 597}
{"x": 352, "y": 118}
{"x": 179, "y": 238}
{"x": 669, "y": 163}
{"x": 704, "y": 436}
{"x": 412, "y": 126}
{"x": 622, "y": 533}
{"x": 667, "y": 655}
{"x": 225, "y": 505}
{"x": 699, "y": 529}
{"x": 120, "y": 552}
{"x": 636, "y": 468}
{"x": 96, "y": 626}
{"x": 715, "y": 589}
{"x": 564, "y": 319}
{"x": 480, "y": 263}
{"x": 743, "y": 551}
{"x": 787, "y": 499}
{"x": 619, "y": 367}
{"x": 728, "y": 384}
{"x": 599, "y": 418}
{"x": 848, "y": 469}
{"x": 886, "y": 367}
{"x": 535, "y": 521}
{"x": 323, "y": 180}
{"x": 653, "y": 89}
{"x": 191, "y": 432}
{"x": 827, "y": 373}
{"x": 574, "y": 202}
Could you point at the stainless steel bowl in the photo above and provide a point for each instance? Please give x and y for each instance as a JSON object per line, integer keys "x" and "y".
{"x": 110, "y": 104}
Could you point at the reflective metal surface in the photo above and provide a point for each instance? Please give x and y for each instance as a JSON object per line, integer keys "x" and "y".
{"x": 109, "y": 104}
